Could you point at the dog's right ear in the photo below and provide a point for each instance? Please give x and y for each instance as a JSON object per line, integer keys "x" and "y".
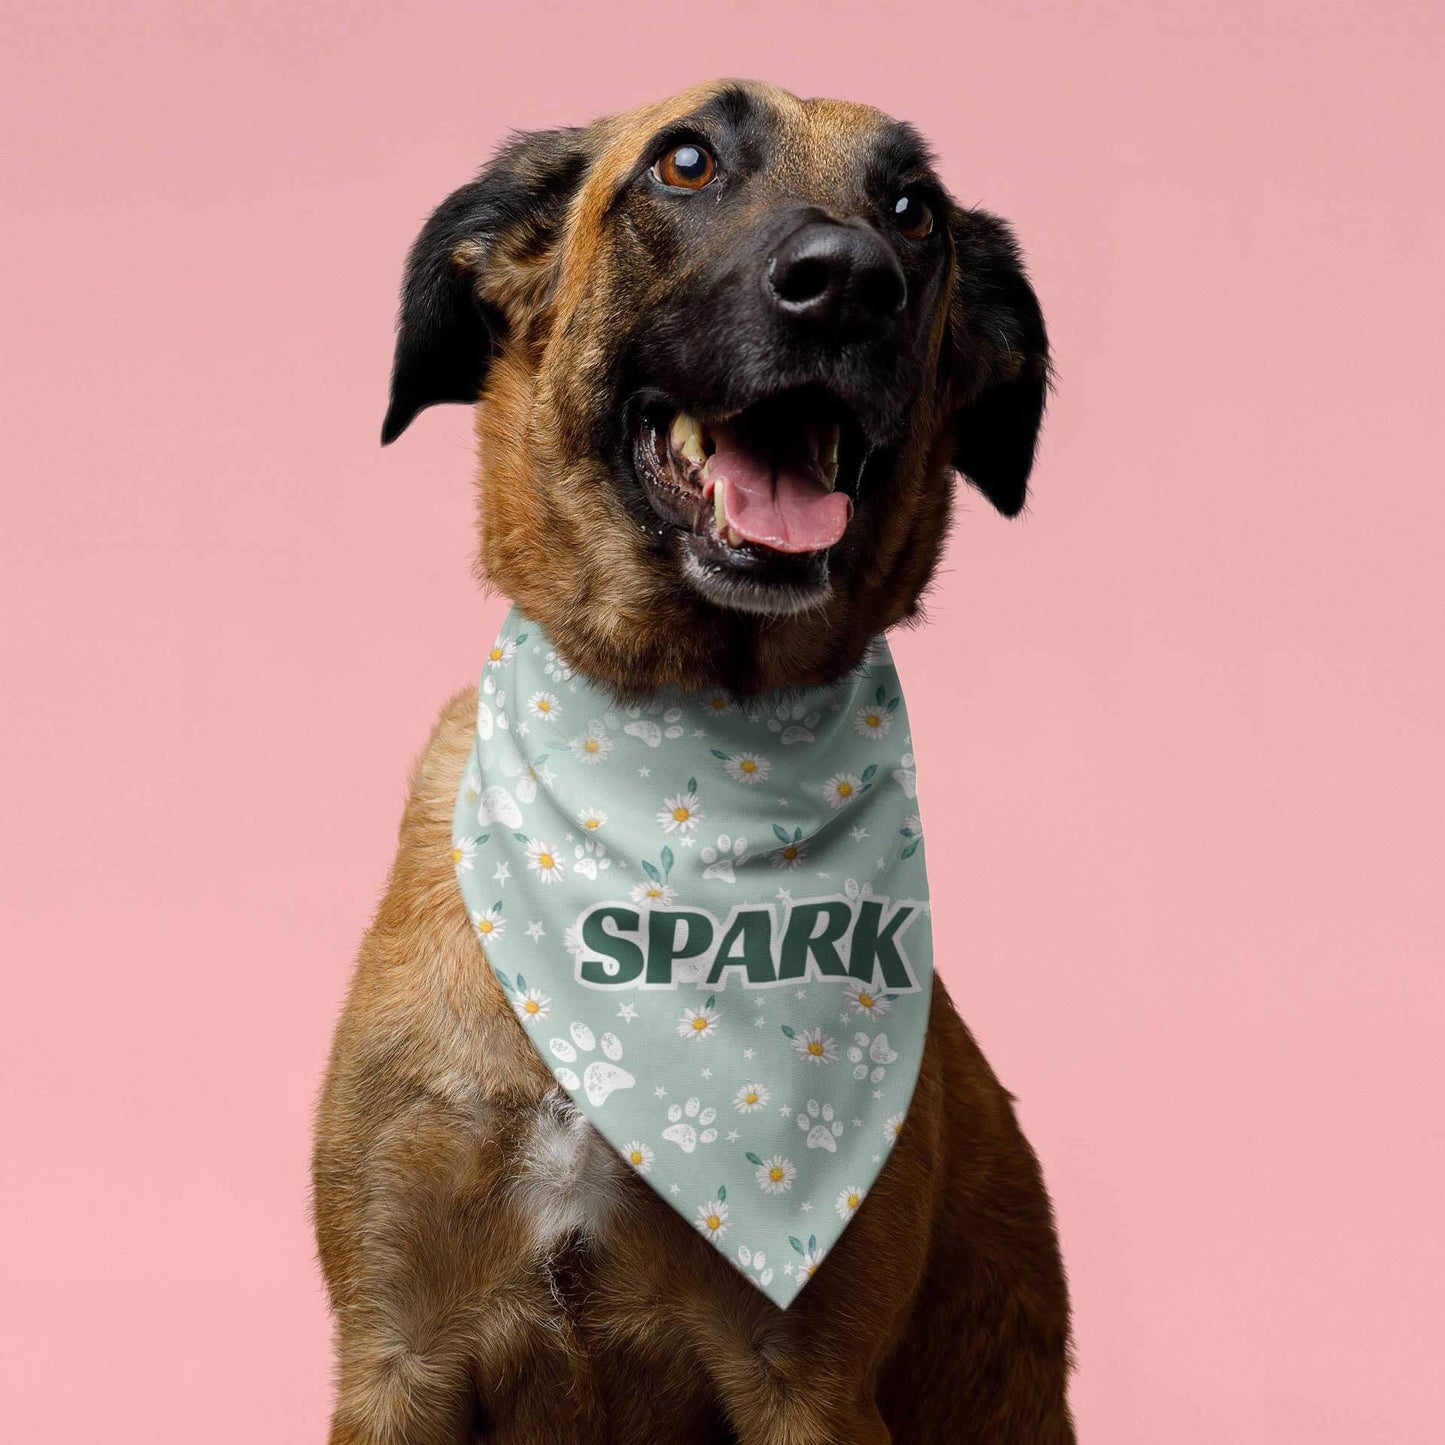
{"x": 447, "y": 333}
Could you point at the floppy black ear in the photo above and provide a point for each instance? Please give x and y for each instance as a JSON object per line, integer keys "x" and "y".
{"x": 1001, "y": 361}
{"x": 446, "y": 334}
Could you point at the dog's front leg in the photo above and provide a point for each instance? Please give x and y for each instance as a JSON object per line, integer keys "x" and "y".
{"x": 795, "y": 1402}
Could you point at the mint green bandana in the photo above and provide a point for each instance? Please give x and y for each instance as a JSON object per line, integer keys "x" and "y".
{"x": 711, "y": 917}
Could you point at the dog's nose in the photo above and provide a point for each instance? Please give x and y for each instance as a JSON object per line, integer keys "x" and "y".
{"x": 837, "y": 277}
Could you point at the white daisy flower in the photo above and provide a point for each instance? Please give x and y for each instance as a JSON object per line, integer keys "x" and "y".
{"x": 872, "y": 722}
{"x": 657, "y": 893}
{"x": 544, "y": 705}
{"x": 913, "y": 825}
{"x": 718, "y": 703}
{"x": 789, "y": 856}
{"x": 533, "y": 1006}
{"x": 543, "y": 860}
{"x": 891, "y": 1126}
{"x": 841, "y": 788}
{"x": 592, "y": 746}
{"x": 809, "y": 1266}
{"x": 868, "y": 1001}
{"x": 699, "y": 1023}
{"x": 502, "y": 653}
{"x": 751, "y": 1097}
{"x": 776, "y": 1175}
{"x": 811, "y": 1044}
{"x": 474, "y": 785}
{"x": 590, "y": 819}
{"x": 747, "y": 768}
{"x": 464, "y": 854}
{"x": 681, "y": 814}
{"x": 489, "y": 923}
{"x": 712, "y": 1219}
{"x": 848, "y": 1201}
{"x": 639, "y": 1155}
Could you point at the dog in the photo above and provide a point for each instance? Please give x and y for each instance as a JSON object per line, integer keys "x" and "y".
{"x": 733, "y": 255}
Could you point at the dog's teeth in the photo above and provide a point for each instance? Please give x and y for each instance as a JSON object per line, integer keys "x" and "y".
{"x": 734, "y": 538}
{"x": 686, "y": 437}
{"x": 830, "y": 456}
{"x": 718, "y": 510}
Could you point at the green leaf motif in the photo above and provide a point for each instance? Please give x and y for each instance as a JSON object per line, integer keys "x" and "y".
{"x": 722, "y": 1194}
{"x": 796, "y": 1243}
{"x": 520, "y": 837}
{"x": 911, "y": 848}
{"x": 880, "y": 695}
{"x": 521, "y": 984}
{"x": 692, "y": 785}
{"x": 504, "y": 980}
{"x": 868, "y": 772}
{"x": 667, "y": 860}
{"x": 753, "y": 1159}
{"x": 651, "y": 870}
{"x": 789, "y": 1032}
{"x": 812, "y": 1243}
{"x": 719, "y": 754}
{"x": 781, "y": 834}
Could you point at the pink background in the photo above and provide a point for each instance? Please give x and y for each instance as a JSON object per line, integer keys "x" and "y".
{"x": 1180, "y": 729}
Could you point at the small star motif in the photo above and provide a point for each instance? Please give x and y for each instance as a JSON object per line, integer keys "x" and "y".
{"x": 535, "y": 931}
{"x": 806, "y": 1207}
{"x": 699, "y": 732}
{"x": 675, "y": 1189}
{"x": 502, "y": 873}
{"x": 627, "y": 1013}
{"x": 842, "y": 1018}
{"x": 782, "y": 802}
{"x": 879, "y": 865}
{"x": 859, "y": 834}
{"x": 688, "y": 843}
{"x": 644, "y": 772}
{"x": 748, "y": 1053}
{"x": 877, "y": 1158}
{"x": 787, "y": 1269}
{"x": 759, "y": 1021}
{"x": 659, "y": 1092}
{"x": 801, "y": 993}
{"x": 521, "y": 729}
{"x": 857, "y": 1123}
{"x": 877, "y": 1093}
{"x": 707, "y": 1073}
{"x": 733, "y": 1136}
{"x": 570, "y": 837}
{"x": 785, "y": 895}
{"x": 759, "y": 1002}
{"x": 786, "y": 1110}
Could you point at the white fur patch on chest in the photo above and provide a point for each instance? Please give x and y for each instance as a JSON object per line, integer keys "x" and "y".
{"x": 568, "y": 1180}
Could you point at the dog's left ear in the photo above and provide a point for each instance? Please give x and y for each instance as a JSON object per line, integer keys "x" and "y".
{"x": 1000, "y": 361}
{"x": 449, "y": 329}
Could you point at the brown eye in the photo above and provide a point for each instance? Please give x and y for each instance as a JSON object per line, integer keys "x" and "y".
{"x": 912, "y": 216}
{"x": 688, "y": 168}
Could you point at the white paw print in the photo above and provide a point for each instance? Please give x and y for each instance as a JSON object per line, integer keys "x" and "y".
{"x": 721, "y": 859}
{"x": 795, "y": 722}
{"x": 681, "y": 1130}
{"x": 600, "y": 1080}
{"x": 823, "y": 1129}
{"x": 591, "y": 858}
{"x": 755, "y": 1260}
{"x": 861, "y": 1052}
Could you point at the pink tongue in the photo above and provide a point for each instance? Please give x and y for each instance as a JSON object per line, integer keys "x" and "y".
{"x": 777, "y": 500}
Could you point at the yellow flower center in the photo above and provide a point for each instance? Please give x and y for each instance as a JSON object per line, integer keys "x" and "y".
{"x": 872, "y": 719}
{"x": 547, "y": 861}
{"x": 750, "y": 1097}
{"x": 713, "y": 1222}
{"x": 718, "y": 704}
{"x": 591, "y": 745}
{"x": 594, "y": 822}
{"x": 775, "y": 1174}
{"x": 485, "y": 926}
{"x": 790, "y": 852}
{"x": 699, "y": 1023}
{"x": 532, "y": 1006}
{"x": 543, "y": 705}
{"x": 495, "y": 654}
{"x": 845, "y": 790}
{"x": 456, "y": 855}
{"x": 865, "y": 1000}
{"x": 636, "y": 1156}
{"x": 748, "y": 765}
{"x": 853, "y": 1201}
{"x": 681, "y": 814}
{"x": 816, "y": 1049}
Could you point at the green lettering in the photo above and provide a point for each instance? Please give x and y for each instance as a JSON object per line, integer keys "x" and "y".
{"x": 800, "y": 940}
{"x": 875, "y": 946}
{"x": 664, "y": 947}
{"x": 622, "y": 961}
{"x": 748, "y": 944}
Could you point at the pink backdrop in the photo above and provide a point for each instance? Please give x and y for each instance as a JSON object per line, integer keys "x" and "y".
{"x": 1183, "y": 764}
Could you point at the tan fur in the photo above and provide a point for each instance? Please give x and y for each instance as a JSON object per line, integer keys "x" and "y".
{"x": 495, "y": 1273}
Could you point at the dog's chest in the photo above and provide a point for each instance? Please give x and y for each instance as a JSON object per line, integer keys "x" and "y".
{"x": 568, "y": 1180}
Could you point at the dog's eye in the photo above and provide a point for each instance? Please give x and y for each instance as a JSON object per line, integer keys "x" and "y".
{"x": 687, "y": 167}
{"x": 912, "y": 216}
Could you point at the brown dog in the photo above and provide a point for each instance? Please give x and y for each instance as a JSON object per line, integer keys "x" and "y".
{"x": 795, "y": 269}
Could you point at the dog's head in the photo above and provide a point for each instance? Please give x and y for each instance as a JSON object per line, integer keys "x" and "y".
{"x": 730, "y": 351}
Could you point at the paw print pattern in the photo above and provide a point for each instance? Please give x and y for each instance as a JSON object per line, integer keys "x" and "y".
{"x": 689, "y": 1125}
{"x": 795, "y": 723}
{"x": 755, "y": 1259}
{"x": 641, "y": 723}
{"x": 600, "y": 1079}
{"x": 862, "y": 1053}
{"x": 720, "y": 860}
{"x": 823, "y": 1129}
{"x": 590, "y": 858}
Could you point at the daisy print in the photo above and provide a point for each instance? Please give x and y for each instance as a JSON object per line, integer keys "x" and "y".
{"x": 682, "y": 812}
{"x": 699, "y": 1023}
{"x": 718, "y": 704}
{"x": 849, "y": 1198}
{"x": 912, "y": 834}
{"x": 892, "y": 1125}
{"x": 874, "y": 720}
{"x": 751, "y": 1098}
{"x": 489, "y": 923}
{"x": 712, "y": 1218}
{"x": 868, "y": 1001}
{"x": 775, "y": 1175}
{"x": 464, "y": 854}
{"x": 593, "y": 746}
{"x": 543, "y": 860}
{"x": 841, "y": 789}
{"x": 744, "y": 767}
{"x": 812, "y": 1258}
{"x": 792, "y": 852}
{"x": 654, "y": 891}
{"x": 639, "y": 1155}
{"x": 503, "y": 651}
{"x": 812, "y": 1045}
{"x": 531, "y": 1005}
{"x": 544, "y": 705}
{"x": 590, "y": 820}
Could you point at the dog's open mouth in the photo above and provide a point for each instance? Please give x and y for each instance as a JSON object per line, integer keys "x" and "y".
{"x": 757, "y": 498}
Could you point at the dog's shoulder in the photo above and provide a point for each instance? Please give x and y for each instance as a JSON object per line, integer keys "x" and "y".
{"x": 437, "y": 773}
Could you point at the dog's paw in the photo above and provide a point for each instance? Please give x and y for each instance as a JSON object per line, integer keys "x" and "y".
{"x": 690, "y": 1125}
{"x": 823, "y": 1129}
{"x": 599, "y": 1080}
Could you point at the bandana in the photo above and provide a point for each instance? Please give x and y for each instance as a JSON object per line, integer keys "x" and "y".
{"x": 712, "y": 919}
